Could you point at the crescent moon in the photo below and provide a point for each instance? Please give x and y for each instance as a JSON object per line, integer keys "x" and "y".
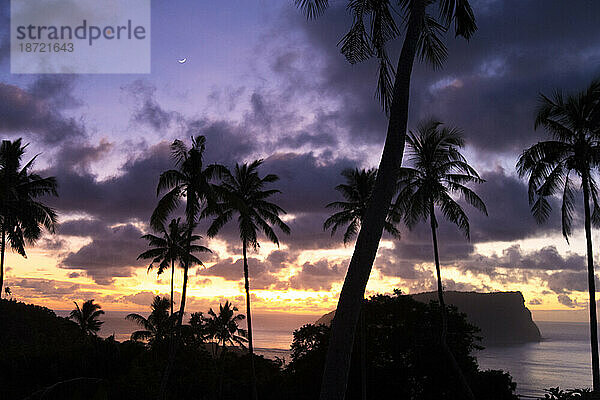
{"x": 182, "y": 61}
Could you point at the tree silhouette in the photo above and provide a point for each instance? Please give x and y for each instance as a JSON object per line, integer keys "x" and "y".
{"x": 170, "y": 249}
{"x": 223, "y": 327}
{"x": 190, "y": 181}
{"x": 159, "y": 324}
{"x": 438, "y": 171}
{"x": 555, "y": 166}
{"x": 87, "y": 317}
{"x": 357, "y": 192}
{"x": 375, "y": 24}
{"x": 22, "y": 216}
{"x": 242, "y": 193}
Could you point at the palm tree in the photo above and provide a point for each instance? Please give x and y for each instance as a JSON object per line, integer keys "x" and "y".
{"x": 22, "y": 216}
{"x": 242, "y": 193}
{"x": 357, "y": 192}
{"x": 190, "y": 181}
{"x": 223, "y": 327}
{"x": 557, "y": 165}
{"x": 224, "y": 330}
{"x": 438, "y": 171}
{"x": 159, "y": 324}
{"x": 170, "y": 249}
{"x": 374, "y": 26}
{"x": 87, "y": 317}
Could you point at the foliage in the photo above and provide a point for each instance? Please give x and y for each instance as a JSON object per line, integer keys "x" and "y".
{"x": 242, "y": 193}
{"x": 403, "y": 355}
{"x": 159, "y": 325}
{"x": 572, "y": 394}
{"x": 357, "y": 193}
{"x": 438, "y": 171}
{"x": 375, "y": 24}
{"x": 22, "y": 215}
{"x": 573, "y": 152}
{"x": 87, "y": 317}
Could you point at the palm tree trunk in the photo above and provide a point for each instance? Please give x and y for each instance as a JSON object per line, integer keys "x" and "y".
{"x": 2, "y": 249}
{"x": 175, "y": 339}
{"x": 339, "y": 353}
{"x": 363, "y": 355}
{"x": 249, "y": 318}
{"x": 443, "y": 311}
{"x": 172, "y": 277}
{"x": 591, "y": 286}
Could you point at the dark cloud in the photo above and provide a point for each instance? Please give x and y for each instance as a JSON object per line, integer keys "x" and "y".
{"x": 111, "y": 253}
{"x": 319, "y": 275}
{"x": 565, "y": 282}
{"x": 147, "y": 110}
{"x": 36, "y": 113}
{"x": 129, "y": 196}
{"x": 567, "y": 301}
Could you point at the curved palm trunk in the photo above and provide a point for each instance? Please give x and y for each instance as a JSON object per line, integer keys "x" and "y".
{"x": 172, "y": 277}
{"x": 249, "y": 318}
{"x": 339, "y": 353}
{"x": 175, "y": 339}
{"x": 2, "y": 249}
{"x": 443, "y": 311}
{"x": 591, "y": 286}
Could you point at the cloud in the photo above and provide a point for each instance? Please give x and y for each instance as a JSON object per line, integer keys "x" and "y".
{"x": 319, "y": 275}
{"x": 37, "y": 113}
{"x": 111, "y": 253}
{"x": 567, "y": 301}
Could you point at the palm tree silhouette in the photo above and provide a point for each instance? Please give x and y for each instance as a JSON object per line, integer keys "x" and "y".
{"x": 242, "y": 193}
{"x": 190, "y": 181}
{"x": 22, "y": 216}
{"x": 224, "y": 330}
{"x": 374, "y": 26}
{"x": 170, "y": 249}
{"x": 357, "y": 192}
{"x": 159, "y": 324}
{"x": 87, "y": 317}
{"x": 553, "y": 167}
{"x": 223, "y": 327}
{"x": 438, "y": 171}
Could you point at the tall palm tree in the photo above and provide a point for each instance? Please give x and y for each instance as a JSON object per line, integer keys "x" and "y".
{"x": 242, "y": 193}
{"x": 22, "y": 215}
{"x": 170, "y": 248}
{"x": 557, "y": 165}
{"x": 356, "y": 191}
{"x": 374, "y": 26}
{"x": 159, "y": 324}
{"x": 190, "y": 181}
{"x": 87, "y": 317}
{"x": 438, "y": 171}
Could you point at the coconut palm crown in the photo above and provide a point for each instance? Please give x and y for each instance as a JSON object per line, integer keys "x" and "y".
{"x": 558, "y": 166}
{"x": 357, "y": 192}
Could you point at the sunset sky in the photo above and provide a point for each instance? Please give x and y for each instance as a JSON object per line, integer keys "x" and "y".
{"x": 262, "y": 82}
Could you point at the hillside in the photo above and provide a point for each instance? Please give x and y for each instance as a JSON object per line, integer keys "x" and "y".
{"x": 501, "y": 316}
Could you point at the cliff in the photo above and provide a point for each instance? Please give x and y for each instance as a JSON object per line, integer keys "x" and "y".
{"x": 501, "y": 316}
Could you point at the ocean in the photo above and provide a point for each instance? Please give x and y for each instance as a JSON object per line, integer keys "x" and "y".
{"x": 562, "y": 358}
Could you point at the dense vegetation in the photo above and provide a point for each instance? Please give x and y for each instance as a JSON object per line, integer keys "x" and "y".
{"x": 404, "y": 358}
